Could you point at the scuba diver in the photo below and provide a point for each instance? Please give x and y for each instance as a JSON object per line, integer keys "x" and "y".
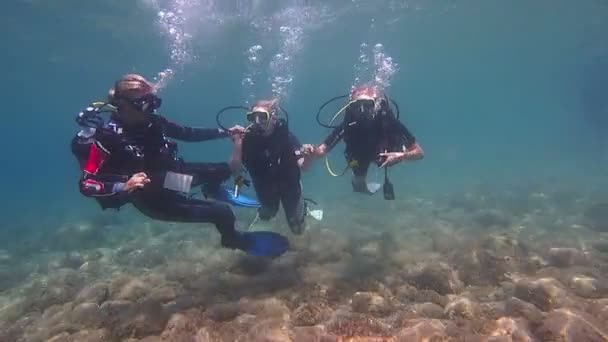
{"x": 372, "y": 133}
{"x": 130, "y": 159}
{"x": 273, "y": 157}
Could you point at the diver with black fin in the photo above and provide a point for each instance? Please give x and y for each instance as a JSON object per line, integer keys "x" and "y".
{"x": 372, "y": 132}
{"x": 274, "y": 158}
{"x": 130, "y": 159}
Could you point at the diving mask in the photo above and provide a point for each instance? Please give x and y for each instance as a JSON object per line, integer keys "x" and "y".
{"x": 258, "y": 117}
{"x": 365, "y": 107}
{"x": 148, "y": 103}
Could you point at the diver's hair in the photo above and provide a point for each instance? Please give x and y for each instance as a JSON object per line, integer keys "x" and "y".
{"x": 272, "y": 104}
{"x": 126, "y": 86}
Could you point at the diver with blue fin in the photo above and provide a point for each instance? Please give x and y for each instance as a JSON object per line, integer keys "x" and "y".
{"x": 372, "y": 132}
{"x": 274, "y": 158}
{"x": 130, "y": 159}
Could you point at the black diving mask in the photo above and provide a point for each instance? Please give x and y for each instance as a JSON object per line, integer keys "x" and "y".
{"x": 147, "y": 103}
{"x": 364, "y": 108}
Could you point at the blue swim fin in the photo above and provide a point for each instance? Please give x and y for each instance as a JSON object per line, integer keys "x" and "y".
{"x": 225, "y": 194}
{"x": 266, "y": 244}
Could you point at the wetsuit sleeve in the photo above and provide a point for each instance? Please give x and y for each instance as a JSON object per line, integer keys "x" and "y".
{"x": 410, "y": 140}
{"x": 335, "y": 136}
{"x": 191, "y": 134}
{"x": 95, "y": 184}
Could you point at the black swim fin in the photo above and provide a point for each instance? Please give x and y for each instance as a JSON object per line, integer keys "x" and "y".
{"x": 387, "y": 188}
{"x": 262, "y": 243}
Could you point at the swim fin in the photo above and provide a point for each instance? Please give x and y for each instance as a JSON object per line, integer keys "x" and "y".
{"x": 373, "y": 187}
{"x": 263, "y": 243}
{"x": 225, "y": 194}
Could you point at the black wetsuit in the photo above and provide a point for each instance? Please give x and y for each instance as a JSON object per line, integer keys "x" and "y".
{"x": 366, "y": 138}
{"x": 272, "y": 163}
{"x": 116, "y": 152}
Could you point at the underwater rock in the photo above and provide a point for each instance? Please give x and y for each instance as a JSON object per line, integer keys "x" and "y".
{"x": 483, "y": 267}
{"x": 308, "y": 334}
{"x": 511, "y": 329}
{"x": 113, "y": 311}
{"x": 588, "y": 287}
{"x": 94, "y": 293}
{"x": 516, "y": 307}
{"x": 87, "y": 314}
{"x": 223, "y": 311}
{"x": 437, "y": 277}
{"x": 428, "y": 310}
{"x": 370, "y": 303}
{"x": 267, "y": 308}
{"x": 101, "y": 335}
{"x": 61, "y": 287}
{"x": 136, "y": 320}
{"x": 15, "y": 331}
{"x": 166, "y": 292}
{"x": 408, "y": 293}
{"x": 350, "y": 325}
{"x": 423, "y": 330}
{"x": 158, "y": 339}
{"x": 182, "y": 326}
{"x": 571, "y": 325}
{"x": 462, "y": 307}
{"x": 128, "y": 288}
{"x": 269, "y": 330}
{"x": 599, "y": 309}
{"x": 182, "y": 303}
{"x": 566, "y": 257}
{"x": 55, "y": 321}
{"x": 545, "y": 293}
{"x": 63, "y": 337}
{"x": 596, "y": 216}
{"x": 311, "y": 313}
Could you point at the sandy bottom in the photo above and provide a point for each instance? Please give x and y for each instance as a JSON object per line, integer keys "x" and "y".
{"x": 487, "y": 265}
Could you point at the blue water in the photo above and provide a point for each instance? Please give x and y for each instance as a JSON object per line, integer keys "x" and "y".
{"x": 508, "y": 99}
{"x": 491, "y": 89}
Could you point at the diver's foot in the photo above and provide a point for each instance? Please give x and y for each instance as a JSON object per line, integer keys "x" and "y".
{"x": 260, "y": 243}
{"x": 364, "y": 188}
{"x": 298, "y": 228}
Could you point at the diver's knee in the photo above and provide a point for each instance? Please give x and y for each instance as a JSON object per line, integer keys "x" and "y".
{"x": 223, "y": 214}
{"x": 266, "y": 213}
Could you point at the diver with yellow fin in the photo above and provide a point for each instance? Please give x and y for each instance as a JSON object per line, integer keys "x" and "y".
{"x": 372, "y": 133}
{"x": 131, "y": 159}
{"x": 274, "y": 158}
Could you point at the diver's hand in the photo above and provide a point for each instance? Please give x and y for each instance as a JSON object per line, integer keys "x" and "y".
{"x": 237, "y": 138}
{"x": 236, "y": 134}
{"x": 308, "y": 149}
{"x": 391, "y": 158}
{"x": 319, "y": 151}
{"x": 234, "y": 130}
{"x": 137, "y": 181}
